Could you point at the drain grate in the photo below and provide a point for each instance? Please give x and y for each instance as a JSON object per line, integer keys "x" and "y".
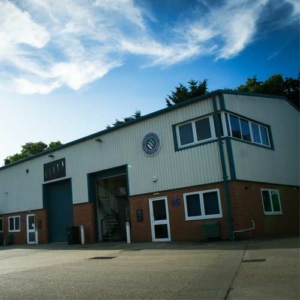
{"x": 254, "y": 260}
{"x": 103, "y": 257}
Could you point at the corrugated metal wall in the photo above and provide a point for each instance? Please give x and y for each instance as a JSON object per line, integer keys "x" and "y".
{"x": 193, "y": 166}
{"x": 254, "y": 163}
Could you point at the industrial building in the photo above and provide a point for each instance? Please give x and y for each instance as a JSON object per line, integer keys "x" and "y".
{"x": 222, "y": 165}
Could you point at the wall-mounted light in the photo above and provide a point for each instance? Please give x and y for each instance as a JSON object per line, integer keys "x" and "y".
{"x": 98, "y": 140}
{"x": 154, "y": 178}
{"x": 27, "y": 170}
{"x": 6, "y": 192}
{"x": 51, "y": 155}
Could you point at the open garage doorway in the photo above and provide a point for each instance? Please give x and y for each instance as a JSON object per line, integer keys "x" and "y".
{"x": 109, "y": 192}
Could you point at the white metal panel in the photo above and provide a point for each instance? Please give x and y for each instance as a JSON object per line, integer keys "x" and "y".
{"x": 258, "y": 164}
{"x": 193, "y": 166}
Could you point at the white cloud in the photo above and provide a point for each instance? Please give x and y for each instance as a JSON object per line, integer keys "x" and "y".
{"x": 47, "y": 44}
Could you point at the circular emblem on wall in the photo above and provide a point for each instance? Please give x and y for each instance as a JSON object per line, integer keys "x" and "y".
{"x": 151, "y": 143}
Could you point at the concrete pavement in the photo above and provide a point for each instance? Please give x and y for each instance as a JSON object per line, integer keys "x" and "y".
{"x": 147, "y": 270}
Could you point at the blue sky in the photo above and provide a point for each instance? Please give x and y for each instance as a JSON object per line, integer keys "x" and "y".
{"x": 70, "y": 67}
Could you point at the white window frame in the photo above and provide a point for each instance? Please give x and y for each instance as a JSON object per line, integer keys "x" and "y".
{"x": 193, "y": 122}
{"x": 14, "y": 230}
{"x": 250, "y": 128}
{"x": 262, "y": 199}
{"x": 1, "y": 220}
{"x": 203, "y": 216}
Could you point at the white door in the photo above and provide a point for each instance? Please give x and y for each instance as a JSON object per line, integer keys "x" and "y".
{"x": 159, "y": 215}
{"x": 31, "y": 229}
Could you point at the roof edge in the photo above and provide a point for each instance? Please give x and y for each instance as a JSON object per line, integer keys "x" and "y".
{"x": 142, "y": 118}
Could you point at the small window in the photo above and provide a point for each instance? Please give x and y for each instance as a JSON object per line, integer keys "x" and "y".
{"x": 14, "y": 224}
{"x": 202, "y": 205}
{"x": 195, "y": 131}
{"x": 1, "y": 224}
{"x": 271, "y": 202}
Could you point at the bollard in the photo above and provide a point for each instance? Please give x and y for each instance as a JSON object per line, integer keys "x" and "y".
{"x": 128, "y": 233}
{"x": 36, "y": 236}
{"x": 82, "y": 238}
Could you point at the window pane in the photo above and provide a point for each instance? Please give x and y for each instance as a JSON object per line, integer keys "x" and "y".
{"x": 186, "y": 134}
{"x": 193, "y": 205}
{"x": 11, "y": 224}
{"x": 17, "y": 223}
{"x": 221, "y": 125}
{"x": 264, "y": 135}
{"x": 161, "y": 231}
{"x": 245, "y": 130}
{"x": 275, "y": 200}
{"x": 235, "y": 127}
{"x": 211, "y": 203}
{"x": 1, "y": 224}
{"x": 159, "y": 210}
{"x": 266, "y": 200}
{"x": 227, "y": 123}
{"x": 203, "y": 129}
{"x": 255, "y": 131}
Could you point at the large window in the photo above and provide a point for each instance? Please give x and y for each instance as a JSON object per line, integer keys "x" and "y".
{"x": 14, "y": 224}
{"x": 195, "y": 131}
{"x": 246, "y": 130}
{"x": 202, "y": 205}
{"x": 201, "y": 130}
{"x": 271, "y": 202}
{"x": 1, "y": 225}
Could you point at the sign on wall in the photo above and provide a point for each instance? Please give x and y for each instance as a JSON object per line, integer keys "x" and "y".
{"x": 151, "y": 143}
{"x": 55, "y": 169}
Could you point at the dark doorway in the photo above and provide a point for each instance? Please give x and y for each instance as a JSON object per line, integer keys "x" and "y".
{"x": 59, "y": 205}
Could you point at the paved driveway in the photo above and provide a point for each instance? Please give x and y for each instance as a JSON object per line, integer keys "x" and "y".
{"x": 142, "y": 271}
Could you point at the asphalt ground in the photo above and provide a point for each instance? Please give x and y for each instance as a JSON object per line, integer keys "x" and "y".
{"x": 253, "y": 269}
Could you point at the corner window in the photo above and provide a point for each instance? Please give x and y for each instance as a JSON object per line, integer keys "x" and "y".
{"x": 195, "y": 131}
{"x": 1, "y": 224}
{"x": 247, "y": 130}
{"x": 271, "y": 202}
{"x": 14, "y": 224}
{"x": 202, "y": 205}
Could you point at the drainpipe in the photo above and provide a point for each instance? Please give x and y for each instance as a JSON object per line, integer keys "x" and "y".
{"x": 224, "y": 171}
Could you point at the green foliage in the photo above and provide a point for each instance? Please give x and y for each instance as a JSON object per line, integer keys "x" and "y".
{"x": 183, "y": 93}
{"x": 274, "y": 85}
{"x": 136, "y": 115}
{"x": 30, "y": 149}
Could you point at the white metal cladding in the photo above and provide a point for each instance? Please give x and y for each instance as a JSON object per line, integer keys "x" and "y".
{"x": 259, "y": 164}
{"x": 193, "y": 166}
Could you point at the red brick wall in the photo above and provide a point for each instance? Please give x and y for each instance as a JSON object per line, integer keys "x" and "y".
{"x": 246, "y": 205}
{"x": 180, "y": 229}
{"x": 84, "y": 215}
{"x": 21, "y": 237}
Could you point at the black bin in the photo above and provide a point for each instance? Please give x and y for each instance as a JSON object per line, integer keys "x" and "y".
{"x": 73, "y": 235}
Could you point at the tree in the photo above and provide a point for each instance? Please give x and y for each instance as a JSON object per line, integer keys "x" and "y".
{"x": 30, "y": 149}
{"x": 136, "y": 115}
{"x": 274, "y": 85}
{"x": 183, "y": 93}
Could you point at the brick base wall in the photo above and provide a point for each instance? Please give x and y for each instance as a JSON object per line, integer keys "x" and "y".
{"x": 180, "y": 229}
{"x": 246, "y": 205}
{"x": 83, "y": 214}
{"x": 21, "y": 237}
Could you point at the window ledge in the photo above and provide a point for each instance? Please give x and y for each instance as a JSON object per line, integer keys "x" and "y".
{"x": 203, "y": 217}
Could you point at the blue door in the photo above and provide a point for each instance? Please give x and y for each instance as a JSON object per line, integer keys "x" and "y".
{"x": 58, "y": 202}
